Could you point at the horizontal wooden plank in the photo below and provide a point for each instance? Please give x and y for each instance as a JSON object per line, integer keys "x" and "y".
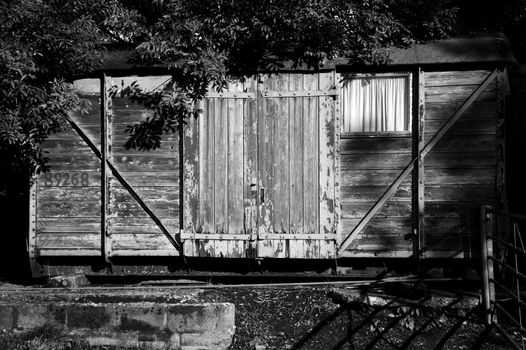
{"x": 61, "y": 178}
{"x": 370, "y": 177}
{"x": 444, "y": 110}
{"x": 473, "y": 77}
{"x": 304, "y": 93}
{"x": 462, "y": 127}
{"x": 461, "y": 159}
{"x": 166, "y": 147}
{"x": 456, "y": 176}
{"x": 152, "y": 178}
{"x": 120, "y": 136}
{"x": 67, "y": 251}
{"x": 70, "y": 145}
{"x": 145, "y": 163}
{"x": 371, "y": 193}
{"x": 458, "y": 93}
{"x": 356, "y": 210}
{"x": 230, "y": 95}
{"x": 67, "y": 244}
{"x": 142, "y": 225}
{"x": 85, "y": 161}
{"x": 69, "y": 224}
{"x": 375, "y": 145}
{"x": 68, "y": 194}
{"x": 444, "y": 209}
{"x": 462, "y": 193}
{"x": 466, "y": 143}
{"x": 376, "y": 161}
{"x": 386, "y": 253}
{"x": 394, "y": 226}
{"x": 80, "y": 208}
{"x": 437, "y": 226}
{"x": 380, "y": 242}
{"x": 154, "y": 251}
{"x": 130, "y": 209}
{"x": 73, "y": 241}
{"x": 149, "y": 193}
{"x": 453, "y": 241}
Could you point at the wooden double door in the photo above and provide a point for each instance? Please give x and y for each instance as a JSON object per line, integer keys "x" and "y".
{"x": 259, "y": 170}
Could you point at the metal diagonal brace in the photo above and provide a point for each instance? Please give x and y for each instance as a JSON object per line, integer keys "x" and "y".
{"x": 126, "y": 185}
{"x": 407, "y": 170}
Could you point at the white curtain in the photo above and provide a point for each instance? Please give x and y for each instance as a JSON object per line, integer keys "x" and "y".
{"x": 376, "y": 104}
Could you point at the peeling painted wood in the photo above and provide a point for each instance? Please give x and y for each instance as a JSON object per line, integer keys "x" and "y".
{"x": 190, "y": 164}
{"x": 280, "y": 154}
{"x": 418, "y": 180}
{"x": 221, "y": 166}
{"x": 310, "y": 156}
{"x": 296, "y": 167}
{"x": 265, "y": 160}
{"x": 250, "y": 162}
{"x": 206, "y": 166}
{"x": 105, "y": 151}
{"x": 326, "y": 156}
{"x": 235, "y": 162}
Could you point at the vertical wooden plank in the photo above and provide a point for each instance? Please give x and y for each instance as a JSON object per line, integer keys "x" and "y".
{"x": 310, "y": 156}
{"x": 207, "y": 167}
{"x": 326, "y": 157}
{"x": 235, "y": 162}
{"x": 221, "y": 166}
{"x": 250, "y": 166}
{"x": 191, "y": 180}
{"x": 265, "y": 157}
{"x": 221, "y": 174}
{"x": 250, "y": 158}
{"x": 418, "y": 185}
{"x": 297, "y": 224}
{"x": 280, "y": 150}
{"x": 105, "y": 114}
{"x": 267, "y": 120}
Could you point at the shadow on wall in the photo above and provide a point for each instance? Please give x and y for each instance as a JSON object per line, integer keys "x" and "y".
{"x": 14, "y": 209}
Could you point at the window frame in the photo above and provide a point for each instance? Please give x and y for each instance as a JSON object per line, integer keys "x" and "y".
{"x": 405, "y": 133}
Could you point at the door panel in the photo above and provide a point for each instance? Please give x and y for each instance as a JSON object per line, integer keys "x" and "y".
{"x": 261, "y": 149}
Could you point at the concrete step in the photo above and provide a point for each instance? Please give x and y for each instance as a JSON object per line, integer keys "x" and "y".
{"x": 103, "y": 317}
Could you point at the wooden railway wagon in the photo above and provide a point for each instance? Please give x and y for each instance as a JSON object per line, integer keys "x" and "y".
{"x": 393, "y": 162}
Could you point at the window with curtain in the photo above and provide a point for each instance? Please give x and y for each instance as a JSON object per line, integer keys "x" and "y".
{"x": 376, "y": 104}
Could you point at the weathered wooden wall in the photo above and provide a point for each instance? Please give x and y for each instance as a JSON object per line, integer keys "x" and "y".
{"x": 266, "y": 173}
{"x": 461, "y": 171}
{"x": 68, "y": 196}
{"x": 369, "y": 164}
{"x": 69, "y": 217}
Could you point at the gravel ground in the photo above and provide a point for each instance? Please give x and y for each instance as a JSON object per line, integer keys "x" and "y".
{"x": 318, "y": 318}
